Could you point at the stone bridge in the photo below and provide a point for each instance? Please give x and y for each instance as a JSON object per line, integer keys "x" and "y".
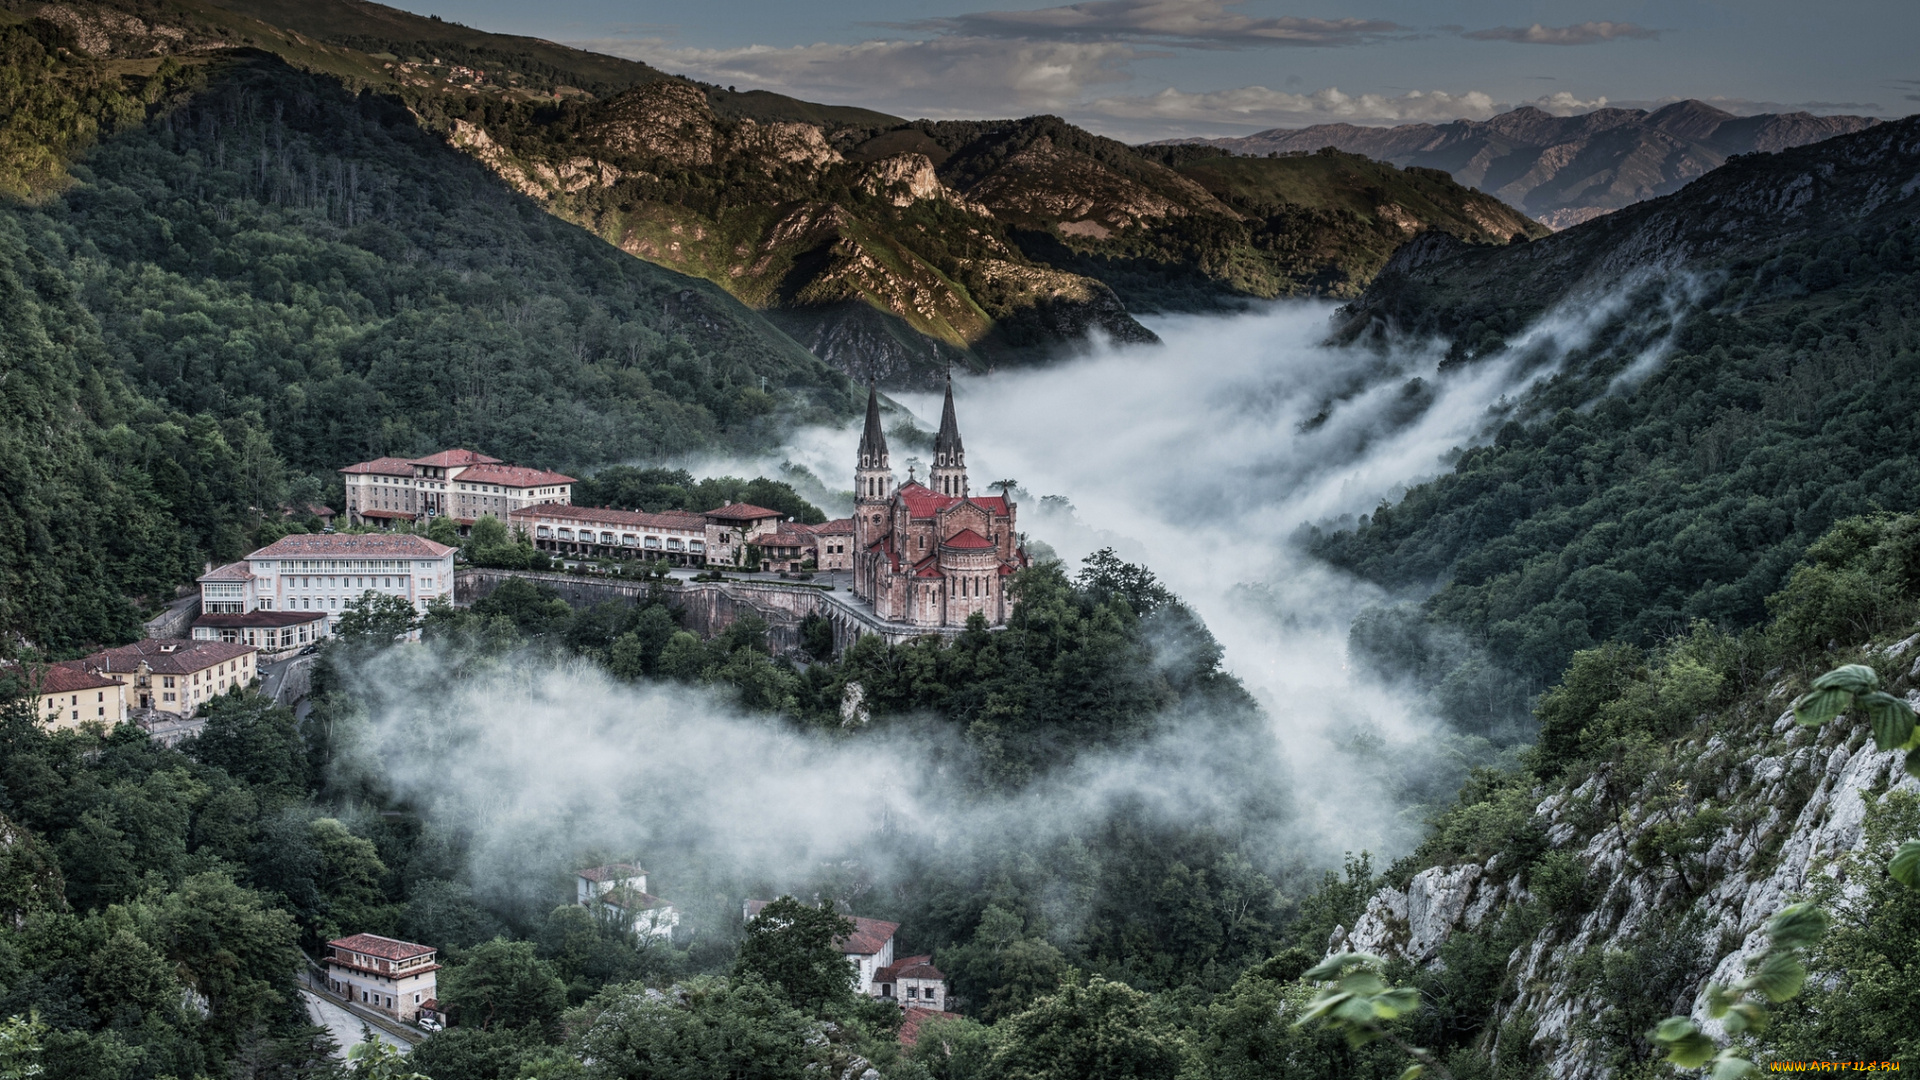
{"x": 708, "y": 607}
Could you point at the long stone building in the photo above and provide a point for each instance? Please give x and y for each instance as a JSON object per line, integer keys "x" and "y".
{"x": 931, "y": 554}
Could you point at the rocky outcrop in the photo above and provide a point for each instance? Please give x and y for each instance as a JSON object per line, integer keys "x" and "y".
{"x": 1795, "y": 804}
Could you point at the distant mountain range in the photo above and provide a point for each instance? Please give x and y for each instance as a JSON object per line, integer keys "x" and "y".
{"x": 1563, "y": 170}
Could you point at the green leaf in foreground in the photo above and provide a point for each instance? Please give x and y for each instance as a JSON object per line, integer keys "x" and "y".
{"x": 1905, "y": 866}
{"x": 1890, "y": 718}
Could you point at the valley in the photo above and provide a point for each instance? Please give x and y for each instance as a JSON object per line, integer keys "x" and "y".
{"x": 787, "y": 590}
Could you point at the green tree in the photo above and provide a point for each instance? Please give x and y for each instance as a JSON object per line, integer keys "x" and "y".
{"x": 703, "y": 1029}
{"x": 1105, "y": 1029}
{"x": 504, "y": 984}
{"x": 791, "y": 947}
{"x": 254, "y": 740}
{"x": 375, "y": 619}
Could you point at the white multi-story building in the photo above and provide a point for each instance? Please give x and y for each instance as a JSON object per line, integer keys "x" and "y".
{"x": 305, "y": 574}
{"x": 676, "y": 536}
{"x": 396, "y": 977}
{"x": 460, "y": 484}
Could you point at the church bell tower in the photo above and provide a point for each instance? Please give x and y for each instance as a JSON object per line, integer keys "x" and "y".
{"x": 949, "y": 473}
{"x": 872, "y": 491}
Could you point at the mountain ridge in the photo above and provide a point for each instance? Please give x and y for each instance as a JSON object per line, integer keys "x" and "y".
{"x": 1563, "y": 170}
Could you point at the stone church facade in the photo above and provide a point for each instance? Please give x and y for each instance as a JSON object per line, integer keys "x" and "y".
{"x": 930, "y": 554}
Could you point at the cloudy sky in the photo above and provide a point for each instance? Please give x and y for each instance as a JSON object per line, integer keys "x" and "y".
{"x": 1155, "y": 68}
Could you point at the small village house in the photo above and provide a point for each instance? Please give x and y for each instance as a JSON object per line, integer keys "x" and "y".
{"x": 396, "y": 977}
{"x": 869, "y": 949}
{"x": 618, "y": 891}
{"x": 69, "y": 696}
{"x": 833, "y": 545}
{"x": 731, "y": 528}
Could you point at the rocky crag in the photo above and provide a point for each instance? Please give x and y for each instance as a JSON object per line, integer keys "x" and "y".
{"x": 1786, "y": 808}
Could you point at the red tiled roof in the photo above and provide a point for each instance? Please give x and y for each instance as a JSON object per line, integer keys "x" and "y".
{"x": 632, "y": 900}
{"x": 65, "y": 678}
{"x": 928, "y": 567}
{"x": 612, "y": 872}
{"x": 913, "y": 967}
{"x": 267, "y": 619}
{"x": 916, "y": 1016}
{"x": 514, "y": 476}
{"x": 968, "y": 540}
{"x": 451, "y": 459}
{"x": 233, "y": 571}
{"x": 385, "y": 948}
{"x": 386, "y": 466}
{"x": 785, "y": 539}
{"x": 923, "y": 501}
{"x": 168, "y": 657}
{"x": 561, "y": 513}
{"x": 405, "y": 545}
{"x": 836, "y": 527}
{"x": 743, "y": 512}
{"x": 993, "y": 504}
{"x": 1008, "y": 569}
{"x": 869, "y": 935}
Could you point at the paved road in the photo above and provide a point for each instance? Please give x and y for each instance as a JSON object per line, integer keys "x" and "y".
{"x": 346, "y": 1028}
{"x": 273, "y": 676}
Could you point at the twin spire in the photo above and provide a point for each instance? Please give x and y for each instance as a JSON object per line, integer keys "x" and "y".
{"x": 949, "y": 473}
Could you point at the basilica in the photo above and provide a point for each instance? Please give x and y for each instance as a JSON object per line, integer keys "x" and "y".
{"x": 930, "y": 554}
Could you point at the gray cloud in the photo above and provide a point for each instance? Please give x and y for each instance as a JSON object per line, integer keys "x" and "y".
{"x": 945, "y": 76}
{"x": 1203, "y": 23}
{"x": 1586, "y": 33}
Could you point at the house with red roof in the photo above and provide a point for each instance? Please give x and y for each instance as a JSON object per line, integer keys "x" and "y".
{"x": 618, "y": 892}
{"x": 460, "y": 484}
{"x": 930, "y": 554}
{"x": 173, "y": 676}
{"x": 869, "y": 948}
{"x": 70, "y": 695}
{"x": 397, "y": 977}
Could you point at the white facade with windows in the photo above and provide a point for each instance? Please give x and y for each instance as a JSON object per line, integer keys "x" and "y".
{"x": 323, "y": 574}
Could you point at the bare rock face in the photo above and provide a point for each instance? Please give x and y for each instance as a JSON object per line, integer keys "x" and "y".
{"x": 102, "y": 32}
{"x": 668, "y": 119}
{"x": 1760, "y": 862}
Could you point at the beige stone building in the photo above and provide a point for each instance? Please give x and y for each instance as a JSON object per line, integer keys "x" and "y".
{"x": 175, "y": 676}
{"x": 731, "y": 528}
{"x": 460, "y": 484}
{"x": 69, "y": 696}
{"x": 931, "y": 554}
{"x": 396, "y": 977}
{"x": 833, "y": 545}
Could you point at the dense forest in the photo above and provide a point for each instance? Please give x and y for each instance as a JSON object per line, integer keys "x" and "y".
{"x": 1626, "y": 500}
{"x": 232, "y": 279}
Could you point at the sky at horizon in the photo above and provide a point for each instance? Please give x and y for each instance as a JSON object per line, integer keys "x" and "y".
{"x": 1140, "y": 69}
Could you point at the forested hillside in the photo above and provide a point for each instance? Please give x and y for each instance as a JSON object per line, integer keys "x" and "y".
{"x": 1753, "y": 389}
{"x": 228, "y": 279}
{"x": 889, "y": 249}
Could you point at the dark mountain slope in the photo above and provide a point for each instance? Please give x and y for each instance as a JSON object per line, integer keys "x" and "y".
{"x": 1567, "y": 169}
{"x": 1027, "y": 235}
{"x": 1757, "y": 385}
